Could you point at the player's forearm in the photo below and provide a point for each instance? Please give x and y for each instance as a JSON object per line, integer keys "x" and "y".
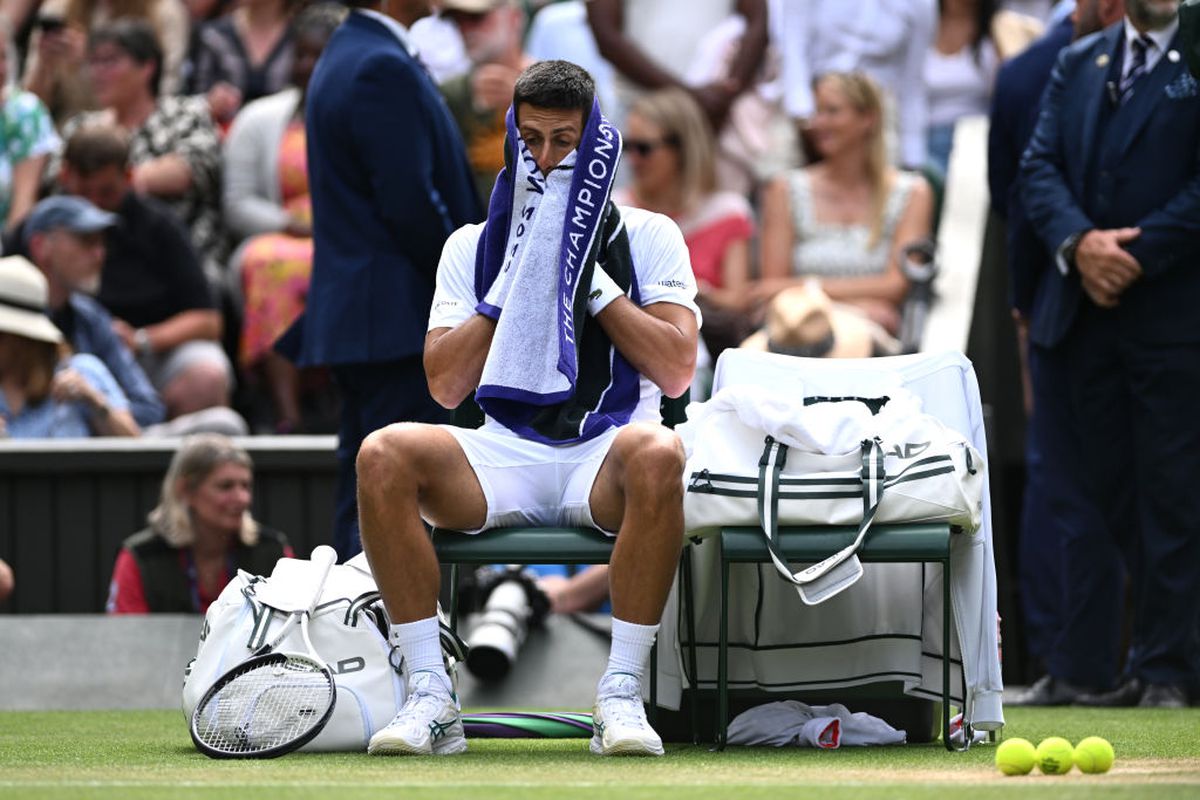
{"x": 454, "y": 359}
{"x": 664, "y": 350}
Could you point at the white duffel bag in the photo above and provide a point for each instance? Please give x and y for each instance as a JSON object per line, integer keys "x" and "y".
{"x": 757, "y": 457}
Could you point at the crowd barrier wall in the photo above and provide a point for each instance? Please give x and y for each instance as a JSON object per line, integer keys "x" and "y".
{"x": 66, "y": 505}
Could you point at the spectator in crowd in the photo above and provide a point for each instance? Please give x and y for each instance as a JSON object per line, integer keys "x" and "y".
{"x": 45, "y": 392}
{"x": 28, "y": 139}
{"x": 267, "y": 201}
{"x": 1015, "y": 104}
{"x": 198, "y": 536}
{"x": 441, "y": 46}
{"x": 973, "y": 38}
{"x": 244, "y": 55}
{"x": 174, "y": 151}
{"x": 151, "y": 281}
{"x": 670, "y": 146}
{"x": 56, "y": 65}
{"x": 390, "y": 182}
{"x": 1111, "y": 185}
{"x": 845, "y": 220}
{"x": 560, "y": 31}
{"x": 7, "y": 584}
{"x": 478, "y": 99}
{"x": 532, "y": 463}
{"x": 652, "y": 46}
{"x": 886, "y": 39}
{"x": 65, "y": 240}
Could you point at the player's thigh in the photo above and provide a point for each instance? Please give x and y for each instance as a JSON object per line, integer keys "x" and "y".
{"x": 428, "y": 460}
{"x": 649, "y": 443}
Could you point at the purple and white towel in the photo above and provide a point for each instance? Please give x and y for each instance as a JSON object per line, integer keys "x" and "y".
{"x": 552, "y": 374}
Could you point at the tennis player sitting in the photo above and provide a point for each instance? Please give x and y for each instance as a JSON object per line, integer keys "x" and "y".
{"x": 567, "y": 317}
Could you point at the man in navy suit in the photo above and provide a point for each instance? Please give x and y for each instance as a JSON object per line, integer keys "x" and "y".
{"x": 1111, "y": 183}
{"x": 1076, "y": 639}
{"x": 390, "y": 182}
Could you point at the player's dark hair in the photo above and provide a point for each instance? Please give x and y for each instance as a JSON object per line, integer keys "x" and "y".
{"x": 558, "y": 85}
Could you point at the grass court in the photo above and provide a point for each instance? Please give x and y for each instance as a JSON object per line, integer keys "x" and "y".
{"x": 148, "y": 754}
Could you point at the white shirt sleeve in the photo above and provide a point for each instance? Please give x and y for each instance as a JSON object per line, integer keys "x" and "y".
{"x": 661, "y": 261}
{"x": 912, "y": 101}
{"x": 795, "y": 18}
{"x": 454, "y": 296}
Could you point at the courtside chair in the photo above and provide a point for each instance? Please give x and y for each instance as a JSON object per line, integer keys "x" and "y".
{"x": 895, "y": 543}
{"x": 546, "y": 545}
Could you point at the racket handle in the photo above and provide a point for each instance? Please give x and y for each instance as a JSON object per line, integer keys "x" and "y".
{"x": 323, "y": 558}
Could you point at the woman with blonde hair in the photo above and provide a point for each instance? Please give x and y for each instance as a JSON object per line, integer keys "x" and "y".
{"x": 199, "y": 535}
{"x": 670, "y": 148}
{"x": 844, "y": 220}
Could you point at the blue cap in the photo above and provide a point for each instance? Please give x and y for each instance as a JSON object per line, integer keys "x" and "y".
{"x": 67, "y": 212}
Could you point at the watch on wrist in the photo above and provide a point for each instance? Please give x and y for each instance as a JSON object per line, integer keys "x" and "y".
{"x": 141, "y": 340}
{"x": 1070, "y": 247}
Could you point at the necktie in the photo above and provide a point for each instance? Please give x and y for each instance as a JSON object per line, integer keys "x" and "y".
{"x": 1140, "y": 46}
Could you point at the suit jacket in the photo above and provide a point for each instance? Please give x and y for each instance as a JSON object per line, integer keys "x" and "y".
{"x": 1015, "y": 102}
{"x": 390, "y": 182}
{"x": 1094, "y": 164}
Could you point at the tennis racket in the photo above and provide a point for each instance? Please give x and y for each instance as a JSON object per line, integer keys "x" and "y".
{"x": 272, "y": 703}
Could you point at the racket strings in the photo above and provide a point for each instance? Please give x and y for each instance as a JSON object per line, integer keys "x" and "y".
{"x": 265, "y": 706}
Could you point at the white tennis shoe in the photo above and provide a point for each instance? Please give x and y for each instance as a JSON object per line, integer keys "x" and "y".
{"x": 429, "y": 722}
{"x": 619, "y": 726}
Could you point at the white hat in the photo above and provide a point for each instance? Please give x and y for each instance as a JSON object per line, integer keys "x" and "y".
{"x": 23, "y": 297}
{"x": 803, "y": 321}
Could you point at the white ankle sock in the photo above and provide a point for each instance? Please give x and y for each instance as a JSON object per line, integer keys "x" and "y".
{"x": 421, "y": 647}
{"x": 631, "y": 645}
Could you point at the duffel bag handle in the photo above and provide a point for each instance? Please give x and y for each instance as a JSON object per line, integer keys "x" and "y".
{"x": 771, "y": 464}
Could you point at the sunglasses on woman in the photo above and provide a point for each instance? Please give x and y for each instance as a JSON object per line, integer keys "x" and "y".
{"x": 644, "y": 147}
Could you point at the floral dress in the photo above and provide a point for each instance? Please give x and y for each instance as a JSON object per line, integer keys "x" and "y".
{"x": 26, "y": 131}
{"x": 276, "y": 267}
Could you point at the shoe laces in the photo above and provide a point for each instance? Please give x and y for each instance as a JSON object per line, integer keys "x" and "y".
{"x": 427, "y": 697}
{"x": 621, "y": 701}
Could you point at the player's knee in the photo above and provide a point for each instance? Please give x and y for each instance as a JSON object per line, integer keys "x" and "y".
{"x": 656, "y": 458}
{"x": 386, "y": 457}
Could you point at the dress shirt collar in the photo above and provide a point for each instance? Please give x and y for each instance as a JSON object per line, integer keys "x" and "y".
{"x": 1161, "y": 38}
{"x": 398, "y": 30}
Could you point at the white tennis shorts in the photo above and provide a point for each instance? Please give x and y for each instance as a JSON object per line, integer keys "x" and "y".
{"x": 530, "y": 483}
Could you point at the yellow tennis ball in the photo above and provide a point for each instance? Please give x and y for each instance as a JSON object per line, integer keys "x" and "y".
{"x": 1094, "y": 755}
{"x": 1015, "y": 756}
{"x": 1055, "y": 756}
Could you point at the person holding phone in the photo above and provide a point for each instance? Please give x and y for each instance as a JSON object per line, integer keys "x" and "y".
{"x": 56, "y": 65}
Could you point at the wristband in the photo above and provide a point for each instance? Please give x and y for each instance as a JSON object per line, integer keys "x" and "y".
{"x": 604, "y": 290}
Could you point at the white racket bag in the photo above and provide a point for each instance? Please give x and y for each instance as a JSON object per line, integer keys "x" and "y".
{"x": 348, "y": 629}
{"x": 768, "y": 459}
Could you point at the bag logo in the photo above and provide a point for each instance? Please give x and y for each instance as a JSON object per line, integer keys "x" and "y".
{"x": 348, "y": 665}
{"x": 911, "y": 449}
